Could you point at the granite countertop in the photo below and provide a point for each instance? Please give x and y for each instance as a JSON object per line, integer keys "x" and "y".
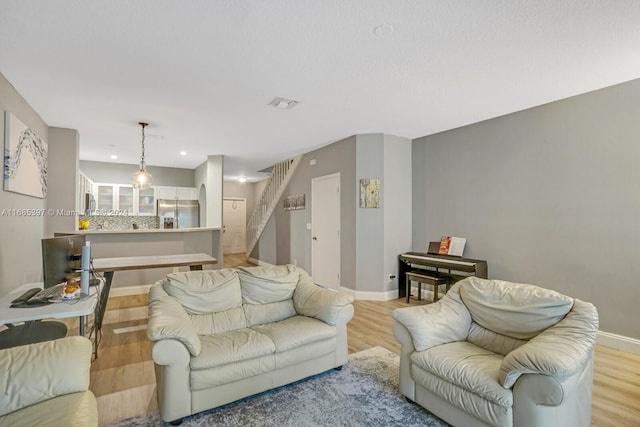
{"x": 148, "y": 230}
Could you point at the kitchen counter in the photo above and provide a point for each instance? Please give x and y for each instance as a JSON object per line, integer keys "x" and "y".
{"x": 147, "y": 242}
{"x": 147, "y": 230}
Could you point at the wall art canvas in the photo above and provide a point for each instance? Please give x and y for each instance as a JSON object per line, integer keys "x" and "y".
{"x": 25, "y": 159}
{"x": 294, "y": 203}
{"x": 369, "y": 193}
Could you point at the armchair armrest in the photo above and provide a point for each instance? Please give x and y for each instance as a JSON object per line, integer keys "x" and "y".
{"x": 37, "y": 372}
{"x": 168, "y": 320}
{"x": 445, "y": 321}
{"x": 327, "y": 305}
{"x": 560, "y": 351}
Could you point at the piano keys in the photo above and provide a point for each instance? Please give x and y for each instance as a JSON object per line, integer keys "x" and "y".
{"x": 457, "y": 268}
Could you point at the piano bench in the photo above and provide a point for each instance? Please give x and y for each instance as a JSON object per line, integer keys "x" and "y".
{"x": 428, "y": 278}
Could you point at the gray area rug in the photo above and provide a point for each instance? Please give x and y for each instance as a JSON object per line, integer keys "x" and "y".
{"x": 364, "y": 393}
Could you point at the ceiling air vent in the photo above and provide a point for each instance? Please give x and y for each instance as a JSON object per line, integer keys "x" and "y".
{"x": 283, "y": 103}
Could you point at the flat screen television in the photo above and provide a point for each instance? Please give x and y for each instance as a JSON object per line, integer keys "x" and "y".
{"x": 61, "y": 258}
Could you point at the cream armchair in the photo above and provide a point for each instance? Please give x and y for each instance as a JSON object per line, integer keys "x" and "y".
{"x": 495, "y": 353}
{"x": 47, "y": 384}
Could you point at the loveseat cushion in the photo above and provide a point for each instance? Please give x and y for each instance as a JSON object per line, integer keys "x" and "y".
{"x": 207, "y": 291}
{"x": 466, "y": 376}
{"x": 168, "y": 320}
{"x": 219, "y": 322}
{"x": 257, "y": 314}
{"x": 296, "y": 332}
{"x": 314, "y": 301}
{"x": 266, "y": 285}
{"x": 513, "y": 309}
{"x": 230, "y": 347}
{"x": 230, "y": 357}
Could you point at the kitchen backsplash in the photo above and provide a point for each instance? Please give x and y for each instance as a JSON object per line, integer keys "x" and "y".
{"x": 120, "y": 222}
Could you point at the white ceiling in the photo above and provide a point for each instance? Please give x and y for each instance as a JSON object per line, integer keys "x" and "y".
{"x": 202, "y": 72}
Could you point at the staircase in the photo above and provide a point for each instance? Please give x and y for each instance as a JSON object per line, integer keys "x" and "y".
{"x": 280, "y": 176}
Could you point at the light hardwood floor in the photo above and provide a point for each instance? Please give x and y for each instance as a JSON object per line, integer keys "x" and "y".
{"x": 123, "y": 381}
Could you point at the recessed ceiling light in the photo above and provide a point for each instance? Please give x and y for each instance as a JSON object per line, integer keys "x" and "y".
{"x": 383, "y": 30}
{"x": 113, "y": 156}
{"x": 283, "y": 103}
{"x": 242, "y": 179}
{"x": 183, "y": 153}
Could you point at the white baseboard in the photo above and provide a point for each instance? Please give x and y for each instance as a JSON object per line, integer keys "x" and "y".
{"x": 619, "y": 342}
{"x": 372, "y": 296}
{"x": 260, "y": 263}
{"x": 129, "y": 290}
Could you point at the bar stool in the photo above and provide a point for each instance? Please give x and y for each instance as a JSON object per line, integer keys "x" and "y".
{"x": 428, "y": 278}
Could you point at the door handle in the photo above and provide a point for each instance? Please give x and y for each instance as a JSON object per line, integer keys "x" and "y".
{"x": 314, "y": 238}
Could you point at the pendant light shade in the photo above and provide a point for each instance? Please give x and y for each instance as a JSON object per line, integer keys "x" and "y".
{"x": 142, "y": 179}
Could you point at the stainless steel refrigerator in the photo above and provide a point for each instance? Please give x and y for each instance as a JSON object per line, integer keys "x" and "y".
{"x": 178, "y": 213}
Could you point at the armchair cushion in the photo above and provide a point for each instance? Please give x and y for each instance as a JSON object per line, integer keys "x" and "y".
{"x": 37, "y": 372}
{"x": 560, "y": 351}
{"x": 513, "y": 309}
{"x": 445, "y": 321}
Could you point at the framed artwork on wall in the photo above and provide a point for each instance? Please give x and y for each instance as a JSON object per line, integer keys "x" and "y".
{"x": 369, "y": 193}
{"x": 25, "y": 159}
{"x": 294, "y": 203}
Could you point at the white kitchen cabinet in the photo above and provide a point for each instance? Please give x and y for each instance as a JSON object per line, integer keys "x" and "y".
{"x": 179, "y": 193}
{"x": 146, "y": 202}
{"x": 164, "y": 192}
{"x": 119, "y": 199}
{"x": 105, "y": 195}
{"x": 186, "y": 193}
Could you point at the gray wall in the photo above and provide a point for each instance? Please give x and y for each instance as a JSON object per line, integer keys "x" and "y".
{"x": 547, "y": 196}
{"x": 119, "y": 173}
{"x": 286, "y": 238}
{"x": 62, "y": 182}
{"x": 396, "y": 202}
{"x": 20, "y": 253}
{"x": 369, "y": 221}
{"x": 371, "y": 239}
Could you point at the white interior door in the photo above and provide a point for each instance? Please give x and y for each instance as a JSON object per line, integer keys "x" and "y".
{"x": 234, "y": 228}
{"x": 325, "y": 230}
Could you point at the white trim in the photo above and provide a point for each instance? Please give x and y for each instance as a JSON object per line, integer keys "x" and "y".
{"x": 260, "y": 263}
{"x": 619, "y": 342}
{"x": 372, "y": 296}
{"x": 129, "y": 290}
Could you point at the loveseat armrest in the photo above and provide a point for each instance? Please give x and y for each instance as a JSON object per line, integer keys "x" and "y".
{"x": 445, "y": 321}
{"x": 560, "y": 351}
{"x": 169, "y": 320}
{"x": 323, "y": 304}
{"x": 37, "y": 372}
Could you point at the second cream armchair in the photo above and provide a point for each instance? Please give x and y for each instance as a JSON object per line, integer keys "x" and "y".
{"x": 495, "y": 353}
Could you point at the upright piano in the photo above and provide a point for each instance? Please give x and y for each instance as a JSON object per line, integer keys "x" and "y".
{"x": 457, "y": 268}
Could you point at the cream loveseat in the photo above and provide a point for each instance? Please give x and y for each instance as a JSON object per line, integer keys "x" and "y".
{"x": 47, "y": 384}
{"x": 494, "y": 353}
{"x": 220, "y": 335}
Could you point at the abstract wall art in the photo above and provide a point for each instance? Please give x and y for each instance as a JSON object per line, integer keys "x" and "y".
{"x": 369, "y": 193}
{"x": 25, "y": 159}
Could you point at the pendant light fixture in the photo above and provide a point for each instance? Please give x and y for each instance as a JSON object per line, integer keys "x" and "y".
{"x": 142, "y": 179}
